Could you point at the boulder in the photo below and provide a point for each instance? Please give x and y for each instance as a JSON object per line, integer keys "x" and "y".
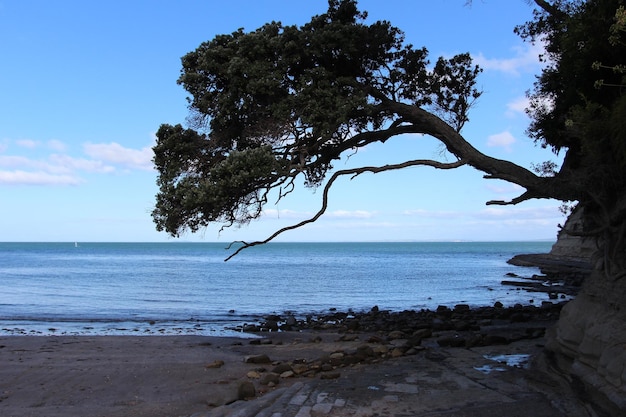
{"x": 245, "y": 390}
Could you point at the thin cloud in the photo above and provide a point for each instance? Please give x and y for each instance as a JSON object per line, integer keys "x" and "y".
{"x": 501, "y": 140}
{"x": 519, "y": 213}
{"x": 27, "y": 143}
{"x": 526, "y": 60}
{"x": 36, "y": 178}
{"x": 70, "y": 164}
{"x": 434, "y": 214}
{"x": 355, "y": 214}
{"x": 56, "y": 145}
{"x": 517, "y": 106}
{"x": 117, "y": 154}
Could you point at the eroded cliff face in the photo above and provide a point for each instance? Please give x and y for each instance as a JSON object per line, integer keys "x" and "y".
{"x": 589, "y": 340}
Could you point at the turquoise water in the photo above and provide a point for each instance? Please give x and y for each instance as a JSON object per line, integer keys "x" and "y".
{"x": 171, "y": 288}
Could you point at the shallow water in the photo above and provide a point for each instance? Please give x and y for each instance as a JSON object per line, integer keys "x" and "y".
{"x": 173, "y": 288}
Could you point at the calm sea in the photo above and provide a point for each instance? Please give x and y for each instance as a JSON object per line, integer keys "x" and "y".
{"x": 174, "y": 288}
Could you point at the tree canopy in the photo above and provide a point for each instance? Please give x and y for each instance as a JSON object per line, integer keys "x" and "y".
{"x": 283, "y": 102}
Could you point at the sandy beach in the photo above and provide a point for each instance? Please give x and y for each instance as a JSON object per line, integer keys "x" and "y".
{"x": 208, "y": 376}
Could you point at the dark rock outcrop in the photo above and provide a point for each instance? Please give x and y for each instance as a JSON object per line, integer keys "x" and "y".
{"x": 588, "y": 343}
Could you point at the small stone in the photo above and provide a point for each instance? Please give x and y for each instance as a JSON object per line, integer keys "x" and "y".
{"x": 423, "y": 333}
{"x": 287, "y": 374}
{"x": 461, "y": 308}
{"x": 396, "y": 334}
{"x": 257, "y": 359}
{"x": 269, "y": 378}
{"x": 380, "y": 349}
{"x": 246, "y": 390}
{"x": 253, "y": 375}
{"x": 215, "y": 364}
{"x": 283, "y": 367}
{"x": 397, "y": 352}
{"x": 300, "y": 368}
{"x": 330, "y": 375}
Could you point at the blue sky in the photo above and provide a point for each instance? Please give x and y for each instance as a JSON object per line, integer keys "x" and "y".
{"x": 84, "y": 85}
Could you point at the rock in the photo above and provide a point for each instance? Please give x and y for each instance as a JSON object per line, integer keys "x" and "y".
{"x": 215, "y": 364}
{"x": 494, "y": 339}
{"x": 257, "y": 359}
{"x": 283, "y": 367}
{"x": 396, "y": 334}
{"x": 330, "y": 375}
{"x": 451, "y": 340}
{"x": 222, "y": 394}
{"x": 397, "y": 352}
{"x": 461, "y": 308}
{"x": 423, "y": 333}
{"x": 380, "y": 349}
{"x": 253, "y": 375}
{"x": 287, "y": 374}
{"x": 245, "y": 390}
{"x": 269, "y": 378}
{"x": 271, "y": 325}
{"x": 364, "y": 352}
{"x": 300, "y": 368}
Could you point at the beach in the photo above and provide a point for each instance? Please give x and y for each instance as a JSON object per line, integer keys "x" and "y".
{"x": 310, "y": 372}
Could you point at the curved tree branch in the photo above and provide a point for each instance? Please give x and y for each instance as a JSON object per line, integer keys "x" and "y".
{"x": 354, "y": 172}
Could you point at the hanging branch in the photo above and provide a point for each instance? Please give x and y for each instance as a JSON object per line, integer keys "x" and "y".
{"x": 354, "y": 172}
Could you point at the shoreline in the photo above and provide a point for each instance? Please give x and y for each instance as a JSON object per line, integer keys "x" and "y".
{"x": 366, "y": 371}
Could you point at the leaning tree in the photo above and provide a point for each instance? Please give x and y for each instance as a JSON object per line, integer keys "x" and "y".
{"x": 277, "y": 106}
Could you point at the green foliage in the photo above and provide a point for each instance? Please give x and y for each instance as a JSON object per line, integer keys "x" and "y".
{"x": 578, "y": 101}
{"x": 578, "y": 52}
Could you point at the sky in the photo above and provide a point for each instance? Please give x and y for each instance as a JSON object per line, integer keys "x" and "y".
{"x": 84, "y": 86}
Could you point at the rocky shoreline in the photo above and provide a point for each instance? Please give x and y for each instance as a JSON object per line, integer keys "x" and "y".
{"x": 460, "y": 325}
{"x": 377, "y": 362}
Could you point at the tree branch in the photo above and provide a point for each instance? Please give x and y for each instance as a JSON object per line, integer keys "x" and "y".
{"x": 354, "y": 172}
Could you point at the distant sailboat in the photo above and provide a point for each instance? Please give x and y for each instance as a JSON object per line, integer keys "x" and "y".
{"x": 75, "y": 244}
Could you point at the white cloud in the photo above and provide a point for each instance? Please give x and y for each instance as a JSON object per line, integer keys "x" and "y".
{"x": 117, "y": 154}
{"x": 65, "y": 163}
{"x": 434, "y": 214}
{"x": 27, "y": 143}
{"x": 19, "y": 177}
{"x": 56, "y": 145}
{"x": 526, "y": 59}
{"x": 355, "y": 214}
{"x": 517, "y": 214}
{"x": 517, "y": 106}
{"x": 503, "y": 140}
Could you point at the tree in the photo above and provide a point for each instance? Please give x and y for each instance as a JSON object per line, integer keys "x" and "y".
{"x": 284, "y": 102}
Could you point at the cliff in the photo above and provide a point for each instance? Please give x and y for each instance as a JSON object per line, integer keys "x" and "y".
{"x": 587, "y": 346}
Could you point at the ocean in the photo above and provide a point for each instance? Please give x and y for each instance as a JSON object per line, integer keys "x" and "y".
{"x": 187, "y": 288}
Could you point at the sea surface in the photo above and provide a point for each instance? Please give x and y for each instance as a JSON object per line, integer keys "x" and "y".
{"x": 187, "y": 288}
